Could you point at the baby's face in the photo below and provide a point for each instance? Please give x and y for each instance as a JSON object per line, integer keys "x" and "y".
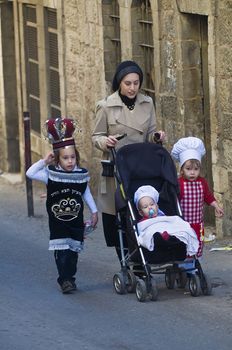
{"x": 147, "y": 207}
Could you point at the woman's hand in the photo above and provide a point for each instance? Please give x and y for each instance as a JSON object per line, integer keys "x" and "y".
{"x": 159, "y": 136}
{"x": 111, "y": 141}
{"x": 49, "y": 159}
{"x": 162, "y": 135}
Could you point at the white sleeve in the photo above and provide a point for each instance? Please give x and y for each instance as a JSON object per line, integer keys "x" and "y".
{"x": 38, "y": 171}
{"x": 88, "y": 198}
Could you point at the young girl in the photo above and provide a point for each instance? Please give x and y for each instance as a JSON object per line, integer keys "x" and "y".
{"x": 67, "y": 187}
{"x": 194, "y": 189}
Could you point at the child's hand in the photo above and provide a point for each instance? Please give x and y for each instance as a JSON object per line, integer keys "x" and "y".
{"x": 219, "y": 212}
{"x": 49, "y": 159}
{"x": 94, "y": 219}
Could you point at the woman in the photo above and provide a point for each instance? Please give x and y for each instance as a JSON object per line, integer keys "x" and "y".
{"x": 126, "y": 111}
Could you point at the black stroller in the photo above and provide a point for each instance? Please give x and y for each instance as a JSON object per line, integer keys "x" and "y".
{"x": 136, "y": 165}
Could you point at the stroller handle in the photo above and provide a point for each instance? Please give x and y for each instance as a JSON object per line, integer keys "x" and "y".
{"x": 121, "y": 136}
{"x": 113, "y": 152}
{"x": 156, "y": 138}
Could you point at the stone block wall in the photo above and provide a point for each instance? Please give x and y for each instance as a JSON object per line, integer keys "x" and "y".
{"x": 9, "y": 123}
{"x": 223, "y": 128}
{"x": 190, "y": 37}
{"x": 84, "y": 73}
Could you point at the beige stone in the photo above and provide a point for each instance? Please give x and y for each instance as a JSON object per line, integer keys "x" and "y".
{"x": 192, "y": 76}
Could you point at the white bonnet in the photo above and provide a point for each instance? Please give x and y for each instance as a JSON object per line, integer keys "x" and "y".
{"x": 188, "y": 148}
{"x": 146, "y": 191}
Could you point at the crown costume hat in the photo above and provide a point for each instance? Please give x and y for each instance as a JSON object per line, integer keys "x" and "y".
{"x": 124, "y": 68}
{"x": 146, "y": 191}
{"x": 188, "y": 148}
{"x": 60, "y": 132}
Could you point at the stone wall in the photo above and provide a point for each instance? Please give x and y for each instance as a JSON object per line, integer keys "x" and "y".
{"x": 192, "y": 78}
{"x": 222, "y": 132}
{"x": 84, "y": 73}
{"x": 9, "y": 129}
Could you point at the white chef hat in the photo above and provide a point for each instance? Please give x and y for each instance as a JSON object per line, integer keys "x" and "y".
{"x": 146, "y": 191}
{"x": 188, "y": 148}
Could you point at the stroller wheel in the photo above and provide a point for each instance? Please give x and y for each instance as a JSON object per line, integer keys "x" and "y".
{"x": 131, "y": 281}
{"x": 170, "y": 278}
{"x": 194, "y": 285}
{"x": 119, "y": 283}
{"x": 181, "y": 278}
{"x": 141, "y": 290}
{"x": 153, "y": 291}
{"x": 206, "y": 285}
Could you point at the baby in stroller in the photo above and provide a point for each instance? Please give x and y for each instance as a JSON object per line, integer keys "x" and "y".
{"x": 137, "y": 166}
{"x": 154, "y": 222}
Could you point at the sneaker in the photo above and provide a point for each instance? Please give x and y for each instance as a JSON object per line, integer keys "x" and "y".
{"x": 74, "y": 285}
{"x": 209, "y": 238}
{"x": 68, "y": 286}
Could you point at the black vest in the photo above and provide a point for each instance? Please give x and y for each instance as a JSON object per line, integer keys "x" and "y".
{"x": 64, "y": 203}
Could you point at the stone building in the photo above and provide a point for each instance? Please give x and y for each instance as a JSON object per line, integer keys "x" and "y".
{"x": 58, "y": 57}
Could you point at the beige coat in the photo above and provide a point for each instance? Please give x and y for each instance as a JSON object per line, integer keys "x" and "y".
{"x": 114, "y": 118}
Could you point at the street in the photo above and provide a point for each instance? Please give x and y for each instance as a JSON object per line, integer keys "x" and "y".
{"x": 36, "y": 315}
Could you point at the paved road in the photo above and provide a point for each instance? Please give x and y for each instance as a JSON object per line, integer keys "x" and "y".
{"x": 34, "y": 314}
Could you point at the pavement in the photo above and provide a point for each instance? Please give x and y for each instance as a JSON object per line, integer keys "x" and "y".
{"x": 217, "y": 252}
{"x": 35, "y": 314}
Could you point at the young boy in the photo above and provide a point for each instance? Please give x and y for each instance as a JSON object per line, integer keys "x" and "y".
{"x": 194, "y": 189}
{"x": 154, "y": 220}
{"x": 67, "y": 191}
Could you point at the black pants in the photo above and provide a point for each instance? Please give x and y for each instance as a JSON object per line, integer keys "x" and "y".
{"x": 66, "y": 262}
{"x": 110, "y": 228}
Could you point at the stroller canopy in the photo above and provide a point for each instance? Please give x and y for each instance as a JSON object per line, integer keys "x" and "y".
{"x": 149, "y": 164}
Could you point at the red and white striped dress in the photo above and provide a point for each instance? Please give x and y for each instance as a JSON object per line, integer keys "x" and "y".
{"x": 193, "y": 195}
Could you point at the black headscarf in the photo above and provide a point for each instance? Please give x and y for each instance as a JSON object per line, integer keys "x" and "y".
{"x": 124, "y": 68}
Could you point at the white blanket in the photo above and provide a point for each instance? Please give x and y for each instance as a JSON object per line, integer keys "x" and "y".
{"x": 174, "y": 225}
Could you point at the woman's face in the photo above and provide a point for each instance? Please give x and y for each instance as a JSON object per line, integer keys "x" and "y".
{"x": 67, "y": 158}
{"x": 129, "y": 85}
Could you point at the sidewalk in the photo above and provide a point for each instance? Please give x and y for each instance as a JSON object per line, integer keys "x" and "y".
{"x": 13, "y": 204}
{"x": 35, "y": 314}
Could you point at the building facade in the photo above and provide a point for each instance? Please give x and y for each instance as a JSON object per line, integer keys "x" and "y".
{"x": 58, "y": 58}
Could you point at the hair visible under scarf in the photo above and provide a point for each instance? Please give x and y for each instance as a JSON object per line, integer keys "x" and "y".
{"x": 124, "y": 68}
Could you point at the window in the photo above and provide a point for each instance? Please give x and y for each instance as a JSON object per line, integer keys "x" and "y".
{"x": 32, "y": 65}
{"x": 142, "y": 42}
{"x": 111, "y": 33}
{"x": 53, "y": 63}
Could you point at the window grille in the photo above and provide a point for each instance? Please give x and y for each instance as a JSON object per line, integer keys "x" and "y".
{"x": 53, "y": 63}
{"x": 143, "y": 47}
{"x": 116, "y": 25}
{"x": 33, "y": 79}
{"x": 111, "y": 32}
{"x": 34, "y": 108}
{"x": 52, "y": 19}
{"x": 32, "y": 65}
